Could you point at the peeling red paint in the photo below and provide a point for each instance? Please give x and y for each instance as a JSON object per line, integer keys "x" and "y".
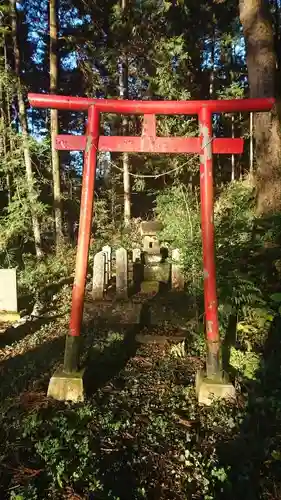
{"x": 85, "y": 223}
{"x": 207, "y": 227}
{"x": 205, "y": 145}
{"x": 149, "y": 107}
{"x": 209, "y": 327}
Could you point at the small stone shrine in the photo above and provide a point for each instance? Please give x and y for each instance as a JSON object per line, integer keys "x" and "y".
{"x": 156, "y": 270}
{"x": 150, "y": 241}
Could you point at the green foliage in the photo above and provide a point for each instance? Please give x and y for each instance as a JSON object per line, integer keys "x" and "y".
{"x": 144, "y": 423}
{"x": 63, "y": 445}
{"x": 254, "y": 324}
{"x": 234, "y": 91}
{"x": 36, "y": 276}
{"x": 108, "y": 232}
{"x": 234, "y": 216}
{"x": 28, "y": 492}
{"x": 238, "y": 282}
{"x": 205, "y": 470}
{"x": 178, "y": 209}
{"x": 166, "y": 82}
{"x": 130, "y": 427}
{"x": 72, "y": 445}
{"x": 103, "y": 225}
{"x": 247, "y": 363}
{"x": 16, "y": 217}
{"x": 18, "y": 223}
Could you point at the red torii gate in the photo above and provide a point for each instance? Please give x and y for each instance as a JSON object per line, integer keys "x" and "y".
{"x": 205, "y": 145}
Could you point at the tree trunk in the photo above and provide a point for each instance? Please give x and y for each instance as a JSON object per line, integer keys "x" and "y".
{"x": 232, "y": 156}
{"x": 32, "y": 195}
{"x": 277, "y": 34}
{"x": 212, "y": 66}
{"x": 54, "y": 124}
{"x": 123, "y": 89}
{"x": 6, "y": 121}
{"x": 127, "y": 190}
{"x": 261, "y": 62}
{"x": 251, "y": 154}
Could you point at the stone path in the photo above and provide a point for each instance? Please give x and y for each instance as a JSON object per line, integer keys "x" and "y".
{"x": 161, "y": 317}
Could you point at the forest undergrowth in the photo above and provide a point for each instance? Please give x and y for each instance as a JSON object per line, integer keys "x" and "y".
{"x": 141, "y": 433}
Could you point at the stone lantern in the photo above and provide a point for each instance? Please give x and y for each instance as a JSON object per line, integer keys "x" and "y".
{"x": 150, "y": 242}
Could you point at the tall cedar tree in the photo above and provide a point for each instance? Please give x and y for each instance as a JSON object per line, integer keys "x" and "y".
{"x": 123, "y": 85}
{"x": 24, "y": 129}
{"x": 262, "y": 63}
{"x": 54, "y": 122}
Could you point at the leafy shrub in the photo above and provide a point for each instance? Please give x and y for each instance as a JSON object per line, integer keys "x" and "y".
{"x": 234, "y": 219}
{"x": 204, "y": 470}
{"x": 62, "y": 444}
{"x": 247, "y": 363}
{"x": 37, "y": 275}
{"x": 238, "y": 282}
{"x": 178, "y": 209}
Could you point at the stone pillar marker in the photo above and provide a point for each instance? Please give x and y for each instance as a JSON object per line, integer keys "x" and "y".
{"x": 177, "y": 273}
{"x": 136, "y": 255}
{"x": 8, "y": 295}
{"x": 108, "y": 260}
{"x": 121, "y": 273}
{"x": 98, "y": 276}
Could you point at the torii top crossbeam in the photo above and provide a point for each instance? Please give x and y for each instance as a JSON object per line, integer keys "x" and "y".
{"x": 149, "y": 107}
{"x": 205, "y": 144}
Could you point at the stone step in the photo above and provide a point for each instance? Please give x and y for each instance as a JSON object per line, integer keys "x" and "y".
{"x": 113, "y": 312}
{"x": 150, "y": 287}
{"x": 158, "y": 339}
{"x": 147, "y": 308}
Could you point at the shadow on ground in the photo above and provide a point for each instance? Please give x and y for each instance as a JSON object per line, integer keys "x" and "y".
{"x": 104, "y": 365}
{"x": 254, "y": 453}
{"x": 12, "y": 334}
{"x": 35, "y": 365}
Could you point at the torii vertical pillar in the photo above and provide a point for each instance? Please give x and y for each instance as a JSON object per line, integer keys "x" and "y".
{"x": 68, "y": 385}
{"x": 206, "y": 145}
{"x": 208, "y": 244}
{"x": 211, "y": 383}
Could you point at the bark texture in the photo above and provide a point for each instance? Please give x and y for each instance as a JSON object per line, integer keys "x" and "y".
{"x": 262, "y": 64}
{"x": 54, "y": 124}
{"x": 32, "y": 195}
{"x": 123, "y": 86}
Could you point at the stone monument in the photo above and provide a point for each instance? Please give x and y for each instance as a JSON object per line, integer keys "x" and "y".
{"x": 156, "y": 270}
{"x": 8, "y": 295}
